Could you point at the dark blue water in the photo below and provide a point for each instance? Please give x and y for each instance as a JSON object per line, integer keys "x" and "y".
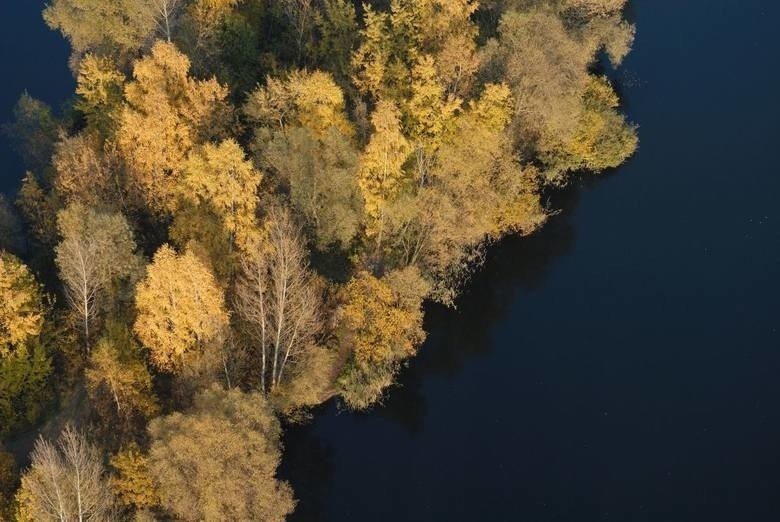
{"x": 620, "y": 365}
{"x": 624, "y": 364}
{"x": 33, "y": 59}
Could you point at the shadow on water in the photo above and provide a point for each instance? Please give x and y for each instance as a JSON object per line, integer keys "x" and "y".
{"x": 514, "y": 265}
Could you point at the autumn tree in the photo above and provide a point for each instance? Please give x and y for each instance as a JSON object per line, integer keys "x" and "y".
{"x": 181, "y": 309}
{"x": 218, "y": 461}
{"x": 96, "y": 256}
{"x": 603, "y": 139}
{"x": 277, "y": 299}
{"x": 66, "y": 481}
{"x": 38, "y": 208}
{"x": 381, "y": 324}
{"x": 321, "y": 176}
{"x": 477, "y": 192}
{"x": 82, "y": 173}
{"x": 132, "y": 482}
{"x": 100, "y": 89}
{"x": 381, "y": 176}
{"x": 21, "y": 304}
{"x": 166, "y": 115}
{"x": 337, "y": 33}
{"x": 394, "y": 42}
{"x": 167, "y": 14}
{"x": 311, "y": 100}
{"x": 116, "y": 369}
{"x": 25, "y": 365}
{"x": 119, "y": 28}
{"x": 299, "y": 14}
{"x": 33, "y": 132}
{"x": 219, "y": 186}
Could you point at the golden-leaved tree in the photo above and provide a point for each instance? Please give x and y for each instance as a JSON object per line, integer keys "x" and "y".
{"x": 381, "y": 324}
{"x": 167, "y": 113}
{"x": 381, "y": 176}
{"x": 21, "y": 304}
{"x": 218, "y": 193}
{"x": 117, "y": 370}
{"x": 181, "y": 309}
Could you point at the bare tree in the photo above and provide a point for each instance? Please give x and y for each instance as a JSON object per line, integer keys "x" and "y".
{"x": 68, "y": 481}
{"x": 166, "y": 13}
{"x": 277, "y": 299}
{"x": 96, "y": 249}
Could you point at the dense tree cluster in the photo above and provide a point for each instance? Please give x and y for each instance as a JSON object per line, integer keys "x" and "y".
{"x": 242, "y": 212}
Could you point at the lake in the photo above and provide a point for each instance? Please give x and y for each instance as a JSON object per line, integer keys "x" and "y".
{"x": 623, "y": 363}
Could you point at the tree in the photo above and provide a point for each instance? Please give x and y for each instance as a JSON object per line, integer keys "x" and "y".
{"x": 381, "y": 173}
{"x": 381, "y": 324}
{"x": 337, "y": 28}
{"x": 96, "y": 253}
{"x": 67, "y": 481}
{"x": 24, "y": 363}
{"x": 119, "y": 28}
{"x": 166, "y": 115}
{"x": 304, "y": 99}
{"x": 21, "y": 304}
{"x": 218, "y": 461}
{"x": 117, "y": 368}
{"x": 167, "y": 13}
{"x": 277, "y": 299}
{"x": 321, "y": 176}
{"x": 24, "y": 385}
{"x": 33, "y": 132}
{"x": 603, "y": 138}
{"x": 299, "y": 15}
{"x": 82, "y": 173}
{"x": 180, "y": 308}
{"x": 39, "y": 209}
{"x": 132, "y": 484}
{"x": 100, "y": 90}
{"x": 221, "y": 180}
{"x": 428, "y": 114}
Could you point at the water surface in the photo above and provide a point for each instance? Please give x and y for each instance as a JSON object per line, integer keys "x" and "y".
{"x": 622, "y": 364}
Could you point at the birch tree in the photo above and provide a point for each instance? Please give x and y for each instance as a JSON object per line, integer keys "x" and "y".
{"x": 97, "y": 250}
{"x": 167, "y": 12}
{"x": 66, "y": 481}
{"x": 277, "y": 299}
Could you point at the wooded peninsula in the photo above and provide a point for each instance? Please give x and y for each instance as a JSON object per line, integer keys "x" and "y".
{"x": 240, "y": 214}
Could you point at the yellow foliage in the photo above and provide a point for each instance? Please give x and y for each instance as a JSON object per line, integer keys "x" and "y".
{"x": 180, "y": 308}
{"x": 380, "y": 326}
{"x": 603, "y": 138}
{"x": 115, "y": 363}
{"x": 100, "y": 87}
{"x": 167, "y": 113}
{"x": 381, "y": 165}
{"x": 429, "y": 111}
{"x": 21, "y": 304}
{"x": 221, "y": 178}
{"x": 311, "y": 100}
{"x": 133, "y": 484}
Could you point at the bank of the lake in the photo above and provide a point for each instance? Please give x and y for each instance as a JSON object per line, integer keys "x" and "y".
{"x": 622, "y": 364}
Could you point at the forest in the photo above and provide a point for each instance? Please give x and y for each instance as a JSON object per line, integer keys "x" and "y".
{"x": 241, "y": 213}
